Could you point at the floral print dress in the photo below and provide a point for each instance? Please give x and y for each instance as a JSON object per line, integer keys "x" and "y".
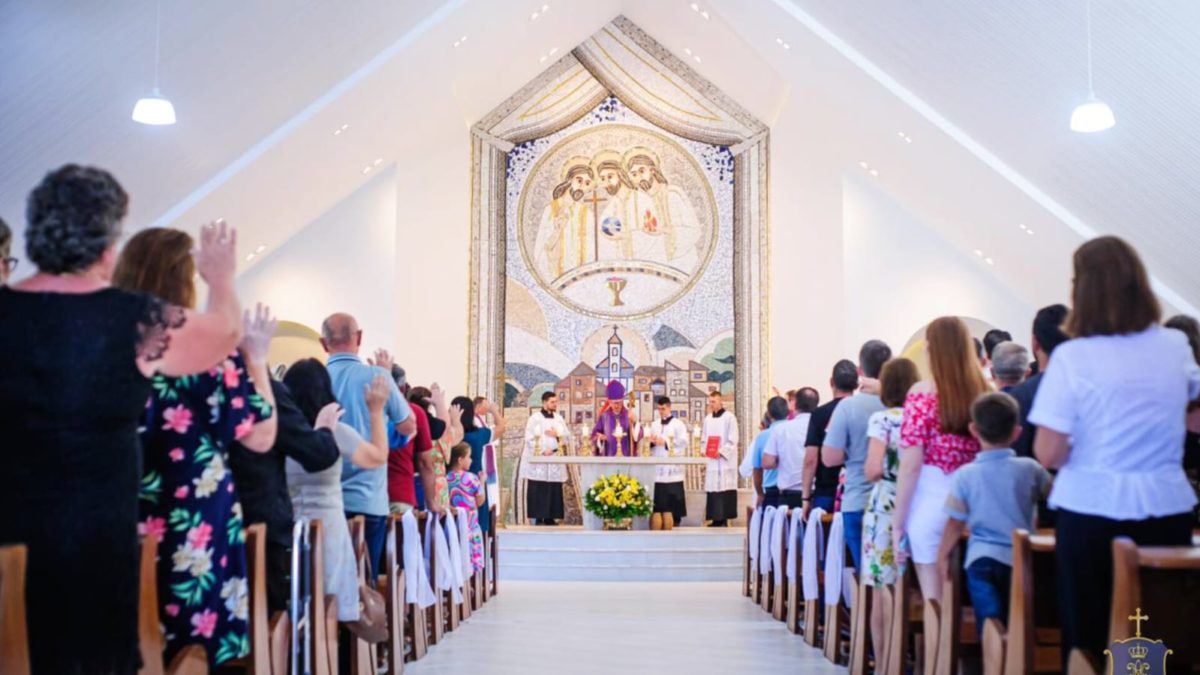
{"x": 879, "y": 558}
{"x": 188, "y": 499}
{"x": 464, "y": 486}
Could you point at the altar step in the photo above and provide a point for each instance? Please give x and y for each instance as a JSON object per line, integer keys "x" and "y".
{"x": 574, "y": 554}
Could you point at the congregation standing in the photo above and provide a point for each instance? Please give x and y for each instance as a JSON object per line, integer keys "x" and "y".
{"x": 128, "y": 410}
{"x": 1093, "y": 430}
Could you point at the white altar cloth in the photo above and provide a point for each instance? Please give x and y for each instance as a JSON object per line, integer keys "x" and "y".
{"x": 592, "y": 468}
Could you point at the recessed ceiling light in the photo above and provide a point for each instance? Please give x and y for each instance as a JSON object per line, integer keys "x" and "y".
{"x": 900, "y": 134}
{"x": 341, "y": 130}
{"x": 534, "y": 16}
{"x": 864, "y": 165}
{"x": 989, "y": 261}
{"x": 778, "y": 41}
{"x": 553, "y": 51}
{"x": 249, "y": 257}
{"x": 367, "y": 170}
{"x": 1027, "y": 231}
{"x": 704, "y": 14}
{"x": 1021, "y": 225}
{"x": 260, "y": 249}
{"x": 979, "y": 253}
{"x": 378, "y": 161}
{"x": 904, "y": 137}
{"x": 697, "y": 59}
{"x": 695, "y": 7}
{"x": 543, "y": 59}
{"x": 786, "y": 46}
{"x": 545, "y": 8}
{"x": 687, "y": 50}
{"x": 874, "y": 172}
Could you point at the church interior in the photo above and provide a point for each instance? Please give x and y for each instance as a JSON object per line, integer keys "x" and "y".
{"x": 499, "y": 336}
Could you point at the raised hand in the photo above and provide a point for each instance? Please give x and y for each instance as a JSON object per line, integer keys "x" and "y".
{"x": 216, "y": 257}
{"x": 328, "y": 417}
{"x": 437, "y": 396}
{"x": 257, "y": 331}
{"x": 382, "y": 359}
{"x": 455, "y": 415}
{"x": 377, "y": 393}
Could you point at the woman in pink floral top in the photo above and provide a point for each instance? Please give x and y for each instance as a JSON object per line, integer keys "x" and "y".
{"x": 934, "y": 442}
{"x": 188, "y": 497}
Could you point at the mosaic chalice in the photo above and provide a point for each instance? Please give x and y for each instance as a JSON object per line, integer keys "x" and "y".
{"x": 616, "y": 285}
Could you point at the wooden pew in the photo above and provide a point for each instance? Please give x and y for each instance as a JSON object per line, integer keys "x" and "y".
{"x": 766, "y": 582}
{"x": 1031, "y": 643}
{"x": 1164, "y": 583}
{"x": 795, "y": 605}
{"x": 956, "y": 635}
{"x": 492, "y": 548}
{"x": 464, "y": 610}
{"x": 813, "y": 634}
{"x": 746, "y": 555}
{"x": 14, "y": 634}
{"x": 323, "y": 609}
{"x": 837, "y": 615}
{"x": 391, "y": 586}
{"x": 895, "y": 652}
{"x": 860, "y": 626}
{"x": 192, "y": 659}
{"x": 416, "y": 624}
{"x": 258, "y": 661}
{"x": 362, "y": 658}
{"x": 436, "y": 614}
{"x": 280, "y": 636}
{"x": 780, "y": 586}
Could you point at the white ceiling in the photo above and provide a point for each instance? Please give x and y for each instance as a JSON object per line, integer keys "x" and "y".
{"x": 1009, "y": 74}
{"x": 259, "y": 88}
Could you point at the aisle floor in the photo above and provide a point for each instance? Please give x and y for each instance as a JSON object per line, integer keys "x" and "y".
{"x": 622, "y": 628}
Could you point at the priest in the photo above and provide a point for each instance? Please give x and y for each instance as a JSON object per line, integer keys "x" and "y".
{"x": 719, "y": 443}
{"x": 668, "y": 438}
{"x": 544, "y": 434}
{"x": 613, "y": 433}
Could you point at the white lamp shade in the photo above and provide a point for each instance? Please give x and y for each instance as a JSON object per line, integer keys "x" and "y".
{"x": 1091, "y": 117}
{"x": 154, "y": 110}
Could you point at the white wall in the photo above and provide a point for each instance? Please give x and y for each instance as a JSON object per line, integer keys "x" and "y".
{"x": 343, "y": 261}
{"x": 900, "y": 274}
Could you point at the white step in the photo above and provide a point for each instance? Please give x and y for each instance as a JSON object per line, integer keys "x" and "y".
{"x": 572, "y": 554}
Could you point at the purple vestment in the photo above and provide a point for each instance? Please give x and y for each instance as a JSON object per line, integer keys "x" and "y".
{"x": 605, "y": 425}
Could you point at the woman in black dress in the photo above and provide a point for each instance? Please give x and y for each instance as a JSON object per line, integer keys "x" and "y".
{"x": 75, "y": 361}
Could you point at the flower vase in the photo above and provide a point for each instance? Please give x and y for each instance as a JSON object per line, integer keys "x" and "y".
{"x": 618, "y": 524}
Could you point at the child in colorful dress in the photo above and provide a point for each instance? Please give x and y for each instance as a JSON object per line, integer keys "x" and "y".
{"x": 466, "y": 492}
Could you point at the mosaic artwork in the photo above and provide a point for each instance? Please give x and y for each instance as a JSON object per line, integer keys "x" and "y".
{"x": 618, "y": 232}
{"x": 625, "y": 268}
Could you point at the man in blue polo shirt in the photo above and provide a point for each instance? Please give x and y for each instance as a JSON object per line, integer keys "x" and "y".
{"x": 765, "y": 478}
{"x": 364, "y": 491}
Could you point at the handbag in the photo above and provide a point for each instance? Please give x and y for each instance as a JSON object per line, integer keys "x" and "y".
{"x": 372, "y": 612}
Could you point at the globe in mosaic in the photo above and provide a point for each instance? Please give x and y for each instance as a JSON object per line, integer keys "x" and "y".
{"x": 617, "y": 221}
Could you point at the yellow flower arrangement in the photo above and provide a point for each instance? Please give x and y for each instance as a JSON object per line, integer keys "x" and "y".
{"x": 618, "y": 497}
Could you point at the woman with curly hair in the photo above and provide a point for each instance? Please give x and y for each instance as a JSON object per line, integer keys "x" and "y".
{"x": 76, "y": 362}
{"x": 188, "y": 497}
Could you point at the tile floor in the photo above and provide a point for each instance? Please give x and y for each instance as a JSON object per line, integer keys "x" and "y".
{"x": 622, "y": 628}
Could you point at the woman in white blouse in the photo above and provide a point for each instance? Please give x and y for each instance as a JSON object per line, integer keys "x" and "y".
{"x": 1110, "y": 415}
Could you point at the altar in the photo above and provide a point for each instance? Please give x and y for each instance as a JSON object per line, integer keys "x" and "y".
{"x": 592, "y": 468}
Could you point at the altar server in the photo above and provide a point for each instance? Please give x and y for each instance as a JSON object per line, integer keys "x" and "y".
{"x": 719, "y": 445}
{"x": 668, "y": 438}
{"x": 544, "y": 434}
